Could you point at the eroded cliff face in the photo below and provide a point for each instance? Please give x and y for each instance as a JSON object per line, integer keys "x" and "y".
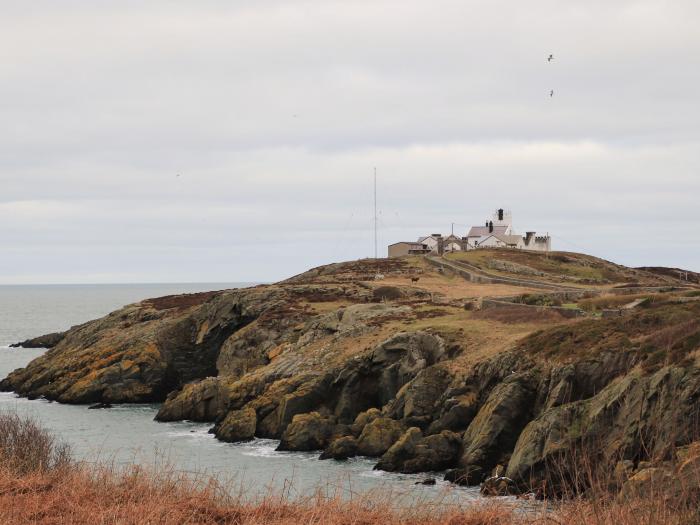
{"x": 334, "y": 361}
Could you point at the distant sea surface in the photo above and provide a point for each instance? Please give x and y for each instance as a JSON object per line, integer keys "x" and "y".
{"x": 32, "y": 310}
{"x": 128, "y": 434}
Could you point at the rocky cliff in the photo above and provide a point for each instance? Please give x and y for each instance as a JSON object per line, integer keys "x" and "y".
{"x": 411, "y": 372}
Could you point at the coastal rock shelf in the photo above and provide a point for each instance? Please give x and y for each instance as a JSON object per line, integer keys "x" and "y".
{"x": 406, "y": 368}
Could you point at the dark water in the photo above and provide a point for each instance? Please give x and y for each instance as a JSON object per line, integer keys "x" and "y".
{"x": 128, "y": 434}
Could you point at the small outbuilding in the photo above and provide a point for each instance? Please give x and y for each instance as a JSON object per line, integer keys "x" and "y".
{"x": 400, "y": 249}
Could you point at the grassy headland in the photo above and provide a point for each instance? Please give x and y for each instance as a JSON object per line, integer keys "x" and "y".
{"x": 529, "y": 374}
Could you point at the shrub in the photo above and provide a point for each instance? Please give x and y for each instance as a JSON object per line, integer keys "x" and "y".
{"x": 387, "y": 293}
{"x": 539, "y": 300}
{"x": 25, "y": 447}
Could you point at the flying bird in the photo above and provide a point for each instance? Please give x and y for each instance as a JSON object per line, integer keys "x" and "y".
{"x": 550, "y": 58}
{"x": 551, "y": 92}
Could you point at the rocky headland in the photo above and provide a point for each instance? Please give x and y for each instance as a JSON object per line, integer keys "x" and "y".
{"x": 498, "y": 367}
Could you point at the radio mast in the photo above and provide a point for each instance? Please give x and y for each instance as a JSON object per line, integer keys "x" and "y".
{"x": 375, "y": 213}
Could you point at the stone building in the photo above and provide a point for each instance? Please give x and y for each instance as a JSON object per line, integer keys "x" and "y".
{"x": 400, "y": 249}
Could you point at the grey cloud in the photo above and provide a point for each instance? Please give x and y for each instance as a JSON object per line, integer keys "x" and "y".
{"x": 275, "y": 113}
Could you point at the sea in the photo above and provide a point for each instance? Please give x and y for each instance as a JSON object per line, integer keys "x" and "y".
{"x": 128, "y": 434}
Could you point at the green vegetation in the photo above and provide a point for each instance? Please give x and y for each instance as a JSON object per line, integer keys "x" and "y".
{"x": 539, "y": 300}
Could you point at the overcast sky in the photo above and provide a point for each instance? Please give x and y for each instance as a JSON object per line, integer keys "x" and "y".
{"x": 274, "y": 114}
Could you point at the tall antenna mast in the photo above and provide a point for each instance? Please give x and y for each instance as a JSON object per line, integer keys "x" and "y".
{"x": 375, "y": 213}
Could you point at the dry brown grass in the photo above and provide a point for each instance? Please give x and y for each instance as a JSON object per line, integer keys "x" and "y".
{"x": 453, "y": 286}
{"x": 181, "y": 302}
{"x": 137, "y": 497}
{"x": 478, "y": 338}
{"x": 640, "y": 511}
{"x": 56, "y": 492}
{"x": 564, "y": 267}
{"x": 515, "y": 314}
{"x": 609, "y": 301}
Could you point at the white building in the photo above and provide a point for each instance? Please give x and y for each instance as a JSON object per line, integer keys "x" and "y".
{"x": 498, "y": 232}
{"x": 431, "y": 241}
{"x": 452, "y": 243}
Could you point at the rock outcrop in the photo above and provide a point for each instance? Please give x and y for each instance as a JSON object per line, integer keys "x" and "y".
{"x": 43, "y": 341}
{"x": 138, "y": 353}
{"x": 238, "y": 425}
{"x": 307, "y": 432}
{"x": 494, "y": 431}
{"x": 414, "y": 453}
{"x": 342, "y": 448}
{"x": 378, "y": 436}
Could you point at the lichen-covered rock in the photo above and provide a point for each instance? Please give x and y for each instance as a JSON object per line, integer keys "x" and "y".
{"x": 363, "y": 419}
{"x": 414, "y": 453}
{"x": 494, "y": 431}
{"x": 417, "y": 400}
{"x": 43, "y": 341}
{"x": 138, "y": 353}
{"x": 277, "y": 407}
{"x": 238, "y": 425}
{"x": 375, "y": 379}
{"x": 457, "y": 413}
{"x": 402, "y": 357}
{"x": 611, "y": 425}
{"x": 342, "y": 448}
{"x": 689, "y": 471}
{"x": 307, "y": 432}
{"x": 205, "y": 400}
{"x": 402, "y": 450}
{"x": 378, "y": 436}
{"x": 650, "y": 482}
{"x": 467, "y": 476}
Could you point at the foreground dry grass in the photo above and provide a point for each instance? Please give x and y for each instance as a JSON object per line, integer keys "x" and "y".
{"x": 106, "y": 497}
{"x": 79, "y": 496}
{"x": 39, "y": 485}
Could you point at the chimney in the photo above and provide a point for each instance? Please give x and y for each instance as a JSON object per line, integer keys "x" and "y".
{"x": 490, "y": 226}
{"x": 528, "y": 237}
{"x": 500, "y": 214}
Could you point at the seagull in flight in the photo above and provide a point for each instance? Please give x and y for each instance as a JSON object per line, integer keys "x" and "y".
{"x": 550, "y": 58}
{"x": 551, "y": 92}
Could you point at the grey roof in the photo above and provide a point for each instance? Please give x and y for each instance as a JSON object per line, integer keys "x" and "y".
{"x": 409, "y": 242}
{"x": 435, "y": 237}
{"x": 510, "y": 239}
{"x": 507, "y": 239}
{"x": 480, "y": 231}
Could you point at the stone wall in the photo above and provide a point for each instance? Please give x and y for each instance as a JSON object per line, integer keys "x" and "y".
{"x": 569, "y": 313}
